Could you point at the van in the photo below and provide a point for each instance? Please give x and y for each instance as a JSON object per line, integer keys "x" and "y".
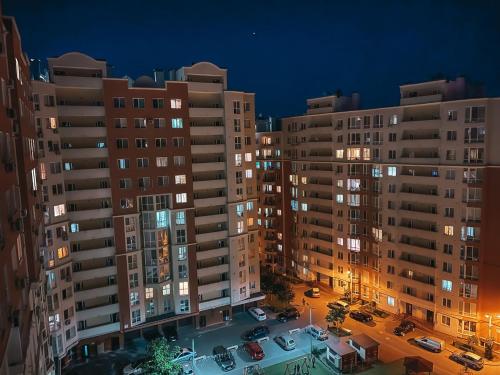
{"x": 313, "y": 293}
{"x": 430, "y": 343}
{"x": 317, "y": 332}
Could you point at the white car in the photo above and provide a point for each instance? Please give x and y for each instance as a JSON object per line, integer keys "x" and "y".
{"x": 185, "y": 354}
{"x": 133, "y": 368}
{"x": 257, "y": 313}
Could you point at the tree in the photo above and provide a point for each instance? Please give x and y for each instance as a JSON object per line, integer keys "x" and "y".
{"x": 284, "y": 291}
{"x": 276, "y": 287}
{"x": 159, "y": 358}
{"x": 336, "y": 316}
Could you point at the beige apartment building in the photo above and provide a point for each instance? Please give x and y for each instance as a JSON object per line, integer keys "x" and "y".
{"x": 150, "y": 201}
{"x": 397, "y": 205}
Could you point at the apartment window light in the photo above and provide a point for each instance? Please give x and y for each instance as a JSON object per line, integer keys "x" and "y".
{"x": 391, "y": 301}
{"x": 62, "y": 252}
{"x": 175, "y": 103}
{"x": 237, "y": 160}
{"x": 248, "y": 173}
{"x": 248, "y": 157}
{"x": 180, "y": 218}
{"x": 448, "y": 230}
{"x": 161, "y": 219}
{"x": 165, "y": 290}
{"x": 183, "y": 288}
{"x": 391, "y": 171}
{"x": 446, "y": 285}
{"x": 149, "y": 293}
{"x": 180, "y": 179}
{"x": 134, "y": 298}
{"x": 177, "y": 123}
{"x": 181, "y": 198}
{"x": 162, "y": 162}
{"x": 59, "y": 210}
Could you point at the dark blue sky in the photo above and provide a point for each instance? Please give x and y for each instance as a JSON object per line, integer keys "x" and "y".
{"x": 301, "y": 49}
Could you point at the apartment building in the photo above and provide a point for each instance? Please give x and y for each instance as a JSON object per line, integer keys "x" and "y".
{"x": 149, "y": 200}
{"x": 396, "y": 205}
{"x": 24, "y": 338}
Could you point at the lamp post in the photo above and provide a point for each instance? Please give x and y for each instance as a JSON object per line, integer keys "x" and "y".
{"x": 310, "y": 324}
{"x": 349, "y": 273}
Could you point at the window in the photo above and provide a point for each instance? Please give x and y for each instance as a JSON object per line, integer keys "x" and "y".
{"x": 178, "y": 142}
{"x": 339, "y": 154}
{"x": 447, "y": 267}
{"x": 149, "y": 293}
{"x": 237, "y": 125}
{"x": 176, "y": 103}
{"x": 445, "y": 320}
{"x": 393, "y": 120}
{"x": 248, "y": 173}
{"x": 142, "y": 162}
{"x": 182, "y": 253}
{"x": 159, "y": 123}
{"x": 161, "y": 142}
{"x": 133, "y": 280}
{"x": 448, "y": 249}
{"x": 236, "y": 107}
{"x": 158, "y": 103}
{"x": 140, "y": 123}
{"x": 448, "y": 230}
{"x": 237, "y": 160}
{"x": 451, "y": 135}
{"x": 390, "y": 301}
{"x": 177, "y": 123}
{"x": 378, "y": 121}
{"x": 122, "y": 143}
{"x": 181, "y": 198}
{"x": 452, "y": 115}
{"x": 180, "y": 218}
{"x": 126, "y": 203}
{"x": 248, "y": 157}
{"x": 392, "y": 137}
{"x": 62, "y": 252}
{"x": 136, "y": 316}
{"x": 141, "y": 143}
{"x": 446, "y": 302}
{"x": 447, "y": 285}
{"x": 475, "y": 114}
{"x": 449, "y": 212}
{"x": 59, "y": 210}
{"x": 119, "y": 102}
{"x": 237, "y": 143}
{"x": 134, "y": 298}
{"x": 165, "y": 290}
{"x": 183, "y": 288}
{"x": 451, "y": 155}
{"x": 391, "y": 171}
{"x": 161, "y": 161}
{"x": 120, "y": 123}
{"x": 180, "y": 179}
{"x": 184, "y": 305}
{"x": 179, "y": 161}
{"x": 390, "y": 254}
{"x": 162, "y": 181}
{"x": 449, "y": 193}
{"x": 132, "y": 262}
{"x": 391, "y": 269}
{"x": 138, "y": 102}
{"x": 392, "y": 154}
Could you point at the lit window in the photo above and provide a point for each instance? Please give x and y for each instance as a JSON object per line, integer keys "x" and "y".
{"x": 248, "y": 156}
{"x": 161, "y": 161}
{"x": 248, "y": 173}
{"x": 240, "y": 227}
{"x": 391, "y": 171}
{"x": 180, "y": 179}
{"x": 74, "y": 227}
{"x": 180, "y": 218}
{"x": 62, "y": 252}
{"x": 182, "y": 253}
{"x": 354, "y": 153}
{"x": 181, "y": 198}
{"x": 183, "y": 288}
{"x": 340, "y": 198}
{"x": 239, "y": 209}
{"x": 339, "y": 154}
{"x": 149, "y": 293}
{"x": 447, "y": 285}
{"x": 184, "y": 305}
{"x": 390, "y": 301}
{"x": 123, "y": 163}
{"x": 161, "y": 219}
{"x": 165, "y": 290}
{"x": 249, "y": 206}
{"x": 340, "y": 241}
{"x": 59, "y": 210}
{"x": 134, "y": 298}
{"x": 448, "y": 230}
{"x": 237, "y": 160}
{"x": 353, "y": 244}
{"x": 304, "y": 206}
{"x": 177, "y": 123}
{"x": 175, "y": 103}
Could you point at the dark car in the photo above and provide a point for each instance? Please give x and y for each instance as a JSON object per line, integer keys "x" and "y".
{"x": 289, "y": 313}
{"x": 361, "y": 316}
{"x": 170, "y": 333}
{"x": 468, "y": 359}
{"x": 224, "y": 358}
{"x": 255, "y": 333}
{"x": 404, "y": 327}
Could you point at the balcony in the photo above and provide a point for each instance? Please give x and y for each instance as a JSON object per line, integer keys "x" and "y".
{"x": 99, "y": 330}
{"x": 216, "y": 302}
{"x": 210, "y": 184}
{"x": 420, "y": 260}
{"x": 208, "y": 149}
{"x": 208, "y": 167}
{"x": 213, "y": 270}
{"x": 92, "y": 312}
{"x": 79, "y": 110}
{"x": 211, "y": 236}
{"x": 421, "y": 278}
{"x": 94, "y": 273}
{"x": 419, "y": 225}
{"x": 421, "y": 98}
{"x": 92, "y": 234}
{"x": 86, "y": 174}
{"x": 419, "y": 189}
{"x": 418, "y": 242}
{"x": 210, "y": 202}
{"x": 101, "y": 213}
{"x": 78, "y": 82}
{"x": 84, "y": 153}
{"x": 206, "y": 130}
{"x": 82, "y": 132}
{"x": 83, "y": 255}
{"x": 88, "y": 194}
{"x": 107, "y": 290}
{"x": 205, "y": 87}
{"x": 205, "y": 112}
{"x": 209, "y": 219}
{"x": 212, "y": 253}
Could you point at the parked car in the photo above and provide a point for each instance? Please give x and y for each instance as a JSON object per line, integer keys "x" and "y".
{"x": 288, "y": 314}
{"x": 134, "y": 368}
{"x": 257, "y": 313}
{"x": 430, "y": 343}
{"x": 255, "y": 333}
{"x": 339, "y": 304}
{"x": 224, "y": 358}
{"x": 285, "y": 341}
{"x": 184, "y": 354}
{"x": 404, "y": 327}
{"x": 317, "y": 332}
{"x": 468, "y": 359}
{"x": 361, "y": 316}
{"x": 313, "y": 293}
{"x": 170, "y": 333}
{"x": 254, "y": 350}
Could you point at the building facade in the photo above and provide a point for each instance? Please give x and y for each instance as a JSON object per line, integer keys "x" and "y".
{"x": 395, "y": 205}
{"x": 150, "y": 201}
{"x": 24, "y": 337}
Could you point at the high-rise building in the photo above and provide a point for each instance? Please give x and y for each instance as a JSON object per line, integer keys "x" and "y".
{"x": 24, "y": 338}
{"x": 150, "y": 201}
{"x": 396, "y": 205}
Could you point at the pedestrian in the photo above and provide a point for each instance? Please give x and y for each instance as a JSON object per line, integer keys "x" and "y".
{"x": 303, "y": 301}
{"x": 314, "y": 362}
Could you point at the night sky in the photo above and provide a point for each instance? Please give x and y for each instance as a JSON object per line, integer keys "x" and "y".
{"x": 284, "y": 51}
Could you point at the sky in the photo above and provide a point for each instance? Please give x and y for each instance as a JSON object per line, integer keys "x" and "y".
{"x": 284, "y": 51}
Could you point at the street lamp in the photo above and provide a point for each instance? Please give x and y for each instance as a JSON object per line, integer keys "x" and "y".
{"x": 488, "y": 349}
{"x": 349, "y": 273}
{"x": 490, "y": 324}
{"x": 310, "y": 324}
